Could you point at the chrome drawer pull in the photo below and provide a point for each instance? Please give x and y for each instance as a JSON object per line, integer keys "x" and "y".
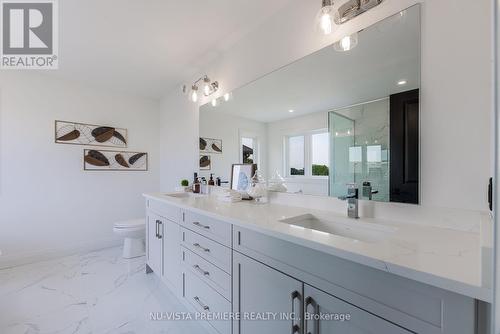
{"x": 197, "y": 267}
{"x": 311, "y": 302}
{"x": 201, "y": 225}
{"x": 295, "y": 327}
{"x": 197, "y": 245}
{"x": 205, "y": 307}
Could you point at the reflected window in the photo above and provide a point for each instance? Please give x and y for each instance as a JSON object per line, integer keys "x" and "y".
{"x": 320, "y": 148}
{"x": 374, "y": 153}
{"x": 296, "y": 162}
{"x": 248, "y": 148}
{"x": 355, "y": 154}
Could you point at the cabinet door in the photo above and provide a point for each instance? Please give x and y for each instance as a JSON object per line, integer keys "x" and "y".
{"x": 325, "y": 314}
{"x": 171, "y": 253}
{"x": 154, "y": 243}
{"x": 261, "y": 291}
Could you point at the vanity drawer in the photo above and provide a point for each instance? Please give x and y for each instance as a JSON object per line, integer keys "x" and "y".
{"x": 165, "y": 210}
{"x": 207, "y": 249}
{"x": 209, "y": 227}
{"x": 207, "y": 272}
{"x": 208, "y": 301}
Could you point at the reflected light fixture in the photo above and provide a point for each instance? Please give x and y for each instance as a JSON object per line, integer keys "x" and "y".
{"x": 346, "y": 43}
{"x": 402, "y": 82}
{"x": 291, "y": 110}
{"x": 209, "y": 87}
{"x": 206, "y": 86}
{"x": 227, "y": 96}
{"x": 214, "y": 103}
{"x": 324, "y": 18}
{"x": 194, "y": 93}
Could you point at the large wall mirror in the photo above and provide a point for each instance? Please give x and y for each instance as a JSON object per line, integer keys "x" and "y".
{"x": 339, "y": 116}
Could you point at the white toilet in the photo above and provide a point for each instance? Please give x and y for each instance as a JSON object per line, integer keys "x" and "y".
{"x": 134, "y": 233}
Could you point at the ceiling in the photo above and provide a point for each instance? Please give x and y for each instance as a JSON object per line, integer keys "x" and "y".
{"x": 148, "y": 47}
{"x": 388, "y": 52}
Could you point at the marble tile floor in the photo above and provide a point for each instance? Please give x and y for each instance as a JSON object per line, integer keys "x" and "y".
{"x": 92, "y": 293}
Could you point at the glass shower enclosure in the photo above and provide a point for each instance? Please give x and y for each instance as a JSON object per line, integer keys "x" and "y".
{"x": 359, "y": 137}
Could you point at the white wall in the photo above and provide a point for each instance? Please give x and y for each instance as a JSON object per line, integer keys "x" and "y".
{"x": 455, "y": 96}
{"x": 48, "y": 204}
{"x": 229, "y": 128}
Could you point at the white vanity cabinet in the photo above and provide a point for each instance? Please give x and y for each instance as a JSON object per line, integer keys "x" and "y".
{"x": 154, "y": 243}
{"x": 320, "y": 308}
{"x": 261, "y": 290}
{"x": 215, "y": 267}
{"x": 163, "y": 252}
{"x": 290, "y": 306}
{"x": 171, "y": 253}
{"x": 374, "y": 298}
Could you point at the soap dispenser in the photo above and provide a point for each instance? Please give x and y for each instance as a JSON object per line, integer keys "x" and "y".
{"x": 211, "y": 182}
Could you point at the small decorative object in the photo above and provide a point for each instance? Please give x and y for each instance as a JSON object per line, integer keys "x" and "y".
{"x": 114, "y": 160}
{"x": 205, "y": 162}
{"x": 89, "y": 134}
{"x": 277, "y": 183}
{"x": 241, "y": 175}
{"x": 257, "y": 189}
{"x": 184, "y": 187}
{"x": 209, "y": 145}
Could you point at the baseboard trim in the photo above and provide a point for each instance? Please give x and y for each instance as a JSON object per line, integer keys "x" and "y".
{"x": 13, "y": 260}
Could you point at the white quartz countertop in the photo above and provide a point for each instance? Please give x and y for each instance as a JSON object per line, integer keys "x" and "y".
{"x": 444, "y": 258}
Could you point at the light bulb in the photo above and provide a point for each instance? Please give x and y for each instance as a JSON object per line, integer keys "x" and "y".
{"x": 206, "y": 86}
{"x": 347, "y": 43}
{"x": 194, "y": 93}
{"x": 324, "y": 19}
{"x": 227, "y": 96}
{"x": 326, "y": 23}
{"x": 214, "y": 103}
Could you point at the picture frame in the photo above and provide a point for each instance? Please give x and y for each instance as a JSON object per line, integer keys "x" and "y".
{"x": 241, "y": 175}
{"x": 74, "y": 133}
{"x": 210, "y": 145}
{"x": 205, "y": 162}
{"x": 109, "y": 160}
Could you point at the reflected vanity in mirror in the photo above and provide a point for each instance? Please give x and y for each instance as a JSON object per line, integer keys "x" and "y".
{"x": 331, "y": 119}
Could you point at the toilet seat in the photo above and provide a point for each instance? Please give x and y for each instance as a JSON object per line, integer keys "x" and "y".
{"x": 131, "y": 224}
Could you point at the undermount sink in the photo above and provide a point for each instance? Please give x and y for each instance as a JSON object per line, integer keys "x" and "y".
{"x": 183, "y": 195}
{"x": 356, "y": 230}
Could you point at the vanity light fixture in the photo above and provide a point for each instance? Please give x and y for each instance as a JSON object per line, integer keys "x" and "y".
{"x": 214, "y": 103}
{"x": 351, "y": 8}
{"x": 402, "y": 82}
{"x": 346, "y": 10}
{"x": 227, "y": 97}
{"x": 209, "y": 87}
{"x": 347, "y": 43}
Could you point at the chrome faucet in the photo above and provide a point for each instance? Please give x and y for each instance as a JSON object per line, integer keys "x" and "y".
{"x": 352, "y": 201}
